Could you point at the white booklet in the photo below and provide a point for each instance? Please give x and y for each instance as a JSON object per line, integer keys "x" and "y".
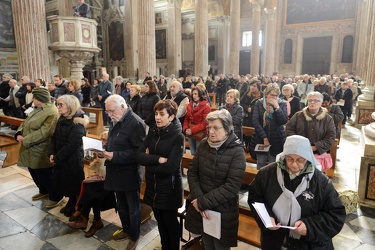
{"x": 265, "y": 217}
{"x": 262, "y": 148}
{"x": 92, "y": 144}
{"x": 213, "y": 225}
{"x": 341, "y": 102}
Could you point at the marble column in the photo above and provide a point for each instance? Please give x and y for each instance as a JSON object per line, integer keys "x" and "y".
{"x": 235, "y": 37}
{"x": 368, "y": 66}
{"x": 255, "y": 50}
{"x": 201, "y": 38}
{"x": 174, "y": 37}
{"x": 146, "y": 38}
{"x": 131, "y": 40}
{"x": 223, "y": 45}
{"x": 31, "y": 38}
{"x": 270, "y": 41}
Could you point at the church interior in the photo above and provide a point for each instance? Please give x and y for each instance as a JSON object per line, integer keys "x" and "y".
{"x": 177, "y": 38}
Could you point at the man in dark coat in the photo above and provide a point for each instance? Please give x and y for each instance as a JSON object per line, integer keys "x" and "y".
{"x": 60, "y": 85}
{"x": 180, "y": 98}
{"x": 21, "y": 94}
{"x": 82, "y": 10}
{"x": 104, "y": 90}
{"x": 124, "y": 174}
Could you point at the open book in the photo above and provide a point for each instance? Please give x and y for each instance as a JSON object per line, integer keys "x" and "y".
{"x": 265, "y": 217}
{"x": 262, "y": 148}
{"x": 92, "y": 144}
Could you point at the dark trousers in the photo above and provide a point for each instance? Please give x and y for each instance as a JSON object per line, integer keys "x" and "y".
{"x": 211, "y": 243}
{"x": 129, "y": 209}
{"x": 95, "y": 209}
{"x": 43, "y": 179}
{"x": 345, "y": 111}
{"x": 15, "y": 112}
{"x": 106, "y": 119}
{"x": 169, "y": 228}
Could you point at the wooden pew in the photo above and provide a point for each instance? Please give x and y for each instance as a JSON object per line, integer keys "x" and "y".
{"x": 333, "y": 151}
{"x": 96, "y": 127}
{"x": 8, "y": 143}
{"x": 213, "y": 101}
{"x": 248, "y": 131}
{"x": 248, "y": 230}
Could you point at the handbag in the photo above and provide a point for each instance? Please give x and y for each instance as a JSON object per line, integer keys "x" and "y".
{"x": 325, "y": 160}
{"x": 197, "y": 136}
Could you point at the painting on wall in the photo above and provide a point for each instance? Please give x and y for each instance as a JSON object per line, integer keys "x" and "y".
{"x": 7, "y": 39}
{"x": 211, "y": 53}
{"x": 116, "y": 41}
{"x": 161, "y": 44}
{"x": 302, "y": 11}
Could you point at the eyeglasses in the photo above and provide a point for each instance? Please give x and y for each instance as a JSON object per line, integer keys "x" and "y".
{"x": 273, "y": 95}
{"x": 108, "y": 111}
{"x": 215, "y": 128}
{"x": 299, "y": 161}
{"x": 313, "y": 101}
{"x": 59, "y": 105}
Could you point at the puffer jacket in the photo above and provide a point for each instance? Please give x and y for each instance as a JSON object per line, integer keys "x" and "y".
{"x": 37, "y": 131}
{"x": 236, "y": 111}
{"x": 215, "y": 178}
{"x": 163, "y": 181}
{"x": 148, "y": 102}
{"x": 323, "y": 213}
{"x": 273, "y": 130}
{"x": 321, "y": 130}
{"x": 67, "y": 150}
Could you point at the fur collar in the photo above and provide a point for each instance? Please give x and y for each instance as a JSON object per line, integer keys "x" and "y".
{"x": 321, "y": 114}
{"x": 84, "y": 120}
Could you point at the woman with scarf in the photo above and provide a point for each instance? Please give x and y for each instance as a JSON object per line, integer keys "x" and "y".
{"x": 215, "y": 177}
{"x": 292, "y": 102}
{"x": 161, "y": 155}
{"x": 247, "y": 102}
{"x": 235, "y": 110}
{"x": 295, "y": 193}
{"x": 269, "y": 117}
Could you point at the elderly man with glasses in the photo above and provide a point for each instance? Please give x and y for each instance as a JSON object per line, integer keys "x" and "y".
{"x": 314, "y": 123}
{"x": 126, "y": 135}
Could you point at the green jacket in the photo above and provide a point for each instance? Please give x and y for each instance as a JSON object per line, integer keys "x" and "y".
{"x": 37, "y": 130}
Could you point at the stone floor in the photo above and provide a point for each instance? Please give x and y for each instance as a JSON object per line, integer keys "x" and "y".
{"x": 26, "y": 224}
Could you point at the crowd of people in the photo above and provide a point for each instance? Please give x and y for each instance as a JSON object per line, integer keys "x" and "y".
{"x": 294, "y": 117}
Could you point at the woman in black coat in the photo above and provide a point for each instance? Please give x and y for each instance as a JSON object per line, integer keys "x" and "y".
{"x": 134, "y": 99}
{"x": 161, "y": 154}
{"x": 293, "y": 101}
{"x": 215, "y": 178}
{"x": 66, "y": 150}
{"x": 235, "y": 110}
{"x": 148, "y": 102}
{"x": 270, "y": 115}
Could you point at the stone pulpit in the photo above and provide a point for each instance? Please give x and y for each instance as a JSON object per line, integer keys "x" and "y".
{"x": 74, "y": 38}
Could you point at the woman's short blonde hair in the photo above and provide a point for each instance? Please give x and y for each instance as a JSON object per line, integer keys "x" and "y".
{"x": 75, "y": 85}
{"x": 136, "y": 87}
{"x": 72, "y": 103}
{"x": 235, "y": 93}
